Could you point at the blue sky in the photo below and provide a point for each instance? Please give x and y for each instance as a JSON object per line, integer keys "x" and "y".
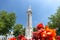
{"x": 41, "y": 9}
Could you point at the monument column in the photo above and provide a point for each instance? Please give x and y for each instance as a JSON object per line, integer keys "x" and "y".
{"x": 29, "y": 13}
{"x": 29, "y": 28}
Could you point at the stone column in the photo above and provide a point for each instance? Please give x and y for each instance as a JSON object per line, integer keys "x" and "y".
{"x": 29, "y": 28}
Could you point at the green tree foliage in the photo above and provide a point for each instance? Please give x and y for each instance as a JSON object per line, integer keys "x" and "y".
{"x": 34, "y": 29}
{"x": 55, "y": 21}
{"x": 19, "y": 30}
{"x": 7, "y": 21}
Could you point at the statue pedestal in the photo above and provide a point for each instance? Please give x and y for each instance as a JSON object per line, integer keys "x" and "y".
{"x": 28, "y": 34}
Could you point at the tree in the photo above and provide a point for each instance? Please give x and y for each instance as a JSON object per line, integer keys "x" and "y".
{"x": 19, "y": 30}
{"x": 7, "y": 21}
{"x": 34, "y": 29}
{"x": 55, "y": 21}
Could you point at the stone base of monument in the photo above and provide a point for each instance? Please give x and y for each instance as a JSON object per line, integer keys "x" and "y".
{"x": 28, "y": 38}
